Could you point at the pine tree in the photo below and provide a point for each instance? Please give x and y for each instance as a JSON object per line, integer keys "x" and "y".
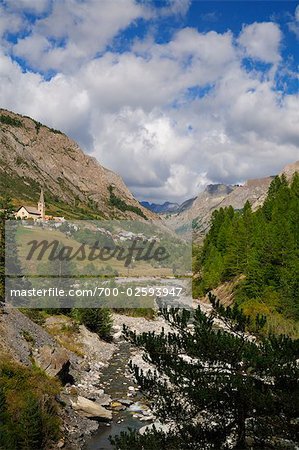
{"x": 210, "y": 385}
{"x": 97, "y": 320}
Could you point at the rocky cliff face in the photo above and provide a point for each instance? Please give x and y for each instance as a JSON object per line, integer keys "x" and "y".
{"x": 220, "y": 196}
{"x": 33, "y": 155}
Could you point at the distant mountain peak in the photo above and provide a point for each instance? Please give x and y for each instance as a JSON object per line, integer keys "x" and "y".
{"x": 157, "y": 208}
{"x": 219, "y": 195}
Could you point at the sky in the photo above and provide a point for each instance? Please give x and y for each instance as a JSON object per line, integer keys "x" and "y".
{"x": 171, "y": 95}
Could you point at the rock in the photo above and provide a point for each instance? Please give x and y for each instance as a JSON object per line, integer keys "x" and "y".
{"x": 117, "y": 336}
{"x": 140, "y": 408}
{"x": 54, "y": 361}
{"x": 90, "y": 409}
{"x": 131, "y": 389}
{"x": 61, "y": 443}
{"x": 117, "y": 406}
{"x": 85, "y": 365}
{"x": 104, "y": 400}
{"x": 125, "y": 402}
{"x": 147, "y": 418}
{"x": 56, "y": 161}
{"x": 13, "y": 325}
{"x": 137, "y": 407}
{"x": 158, "y": 425}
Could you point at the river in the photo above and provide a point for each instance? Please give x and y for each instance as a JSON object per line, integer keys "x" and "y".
{"x": 116, "y": 385}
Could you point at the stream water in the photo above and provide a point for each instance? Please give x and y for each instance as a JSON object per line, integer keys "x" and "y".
{"x": 115, "y": 384}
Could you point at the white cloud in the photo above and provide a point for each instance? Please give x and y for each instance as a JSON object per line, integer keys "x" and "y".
{"x": 147, "y": 145}
{"x": 262, "y": 41}
{"x": 32, "y": 6}
{"x": 76, "y": 31}
{"x": 144, "y": 113}
{"x": 175, "y": 7}
{"x": 9, "y": 22}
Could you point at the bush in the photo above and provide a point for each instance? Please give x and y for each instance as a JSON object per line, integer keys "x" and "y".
{"x": 7, "y": 120}
{"x": 97, "y": 320}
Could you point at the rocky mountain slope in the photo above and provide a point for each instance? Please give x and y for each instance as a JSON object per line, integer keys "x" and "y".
{"x": 33, "y": 155}
{"x": 216, "y": 196}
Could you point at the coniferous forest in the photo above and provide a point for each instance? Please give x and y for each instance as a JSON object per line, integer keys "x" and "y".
{"x": 260, "y": 250}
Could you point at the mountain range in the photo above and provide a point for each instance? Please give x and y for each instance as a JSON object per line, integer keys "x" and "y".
{"x": 161, "y": 209}
{"x": 198, "y": 211}
{"x": 168, "y": 207}
{"x": 33, "y": 155}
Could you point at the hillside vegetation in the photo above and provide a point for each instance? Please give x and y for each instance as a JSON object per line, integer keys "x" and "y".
{"x": 28, "y": 410}
{"x": 264, "y": 247}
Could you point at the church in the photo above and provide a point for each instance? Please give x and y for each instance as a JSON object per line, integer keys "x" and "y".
{"x": 29, "y": 212}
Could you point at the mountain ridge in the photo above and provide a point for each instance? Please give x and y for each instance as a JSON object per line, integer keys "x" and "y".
{"x": 161, "y": 208}
{"x": 33, "y": 155}
{"x": 216, "y": 196}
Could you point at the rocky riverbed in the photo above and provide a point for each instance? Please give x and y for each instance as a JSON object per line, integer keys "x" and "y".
{"x": 99, "y": 396}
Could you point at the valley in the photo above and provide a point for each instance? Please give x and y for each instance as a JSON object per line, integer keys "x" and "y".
{"x": 245, "y": 251}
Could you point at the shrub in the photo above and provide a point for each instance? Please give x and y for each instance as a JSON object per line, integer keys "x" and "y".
{"x": 8, "y": 120}
{"x": 97, "y": 320}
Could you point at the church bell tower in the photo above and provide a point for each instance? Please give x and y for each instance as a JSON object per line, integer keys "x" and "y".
{"x": 41, "y": 205}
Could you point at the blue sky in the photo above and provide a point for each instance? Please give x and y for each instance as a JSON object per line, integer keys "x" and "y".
{"x": 172, "y": 95}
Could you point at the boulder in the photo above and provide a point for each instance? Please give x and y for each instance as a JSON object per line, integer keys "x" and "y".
{"x": 90, "y": 409}
{"x": 125, "y": 402}
{"x": 104, "y": 400}
{"x": 54, "y": 361}
{"x": 117, "y": 336}
{"x": 117, "y": 406}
